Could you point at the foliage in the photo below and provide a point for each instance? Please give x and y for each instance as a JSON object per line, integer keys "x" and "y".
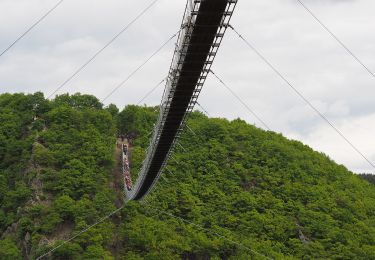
{"x": 55, "y": 159}
{"x": 138, "y": 121}
{"x": 8, "y": 250}
{"x": 260, "y": 191}
{"x": 270, "y": 194}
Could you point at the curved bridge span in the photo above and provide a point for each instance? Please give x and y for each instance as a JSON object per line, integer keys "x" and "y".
{"x": 202, "y": 30}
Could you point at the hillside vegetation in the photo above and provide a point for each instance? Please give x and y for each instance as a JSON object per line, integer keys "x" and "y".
{"x": 264, "y": 193}
{"x": 55, "y": 159}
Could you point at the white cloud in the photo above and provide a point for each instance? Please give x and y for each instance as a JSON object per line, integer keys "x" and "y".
{"x": 315, "y": 64}
{"x": 357, "y": 130}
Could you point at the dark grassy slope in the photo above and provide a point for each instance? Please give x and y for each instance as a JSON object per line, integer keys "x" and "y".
{"x": 273, "y": 195}
{"x": 369, "y": 177}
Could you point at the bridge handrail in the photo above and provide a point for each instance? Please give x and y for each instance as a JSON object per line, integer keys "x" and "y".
{"x": 188, "y": 23}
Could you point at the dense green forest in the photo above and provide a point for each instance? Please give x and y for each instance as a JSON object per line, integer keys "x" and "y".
{"x": 260, "y": 191}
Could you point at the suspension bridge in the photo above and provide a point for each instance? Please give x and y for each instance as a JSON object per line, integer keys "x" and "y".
{"x": 202, "y": 30}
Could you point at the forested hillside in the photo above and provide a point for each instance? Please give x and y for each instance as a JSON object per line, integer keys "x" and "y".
{"x": 55, "y": 159}
{"x": 261, "y": 191}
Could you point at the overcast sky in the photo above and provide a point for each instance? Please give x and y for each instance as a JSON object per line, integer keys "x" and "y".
{"x": 308, "y": 57}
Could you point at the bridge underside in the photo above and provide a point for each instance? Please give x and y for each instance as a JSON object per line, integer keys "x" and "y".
{"x": 195, "y": 52}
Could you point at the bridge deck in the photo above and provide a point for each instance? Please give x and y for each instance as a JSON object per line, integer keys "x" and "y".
{"x": 195, "y": 54}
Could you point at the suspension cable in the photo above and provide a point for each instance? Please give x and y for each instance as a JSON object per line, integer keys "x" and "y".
{"x": 31, "y": 27}
{"x": 140, "y": 66}
{"x": 151, "y": 91}
{"x": 308, "y": 10}
{"x": 241, "y": 101}
{"x": 102, "y": 49}
{"x": 204, "y": 110}
{"x": 81, "y": 232}
{"x": 191, "y": 130}
{"x": 303, "y": 97}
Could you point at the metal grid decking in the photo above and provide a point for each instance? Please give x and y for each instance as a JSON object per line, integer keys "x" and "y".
{"x": 203, "y": 27}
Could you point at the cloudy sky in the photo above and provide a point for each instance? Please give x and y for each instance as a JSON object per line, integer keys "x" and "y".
{"x": 308, "y": 57}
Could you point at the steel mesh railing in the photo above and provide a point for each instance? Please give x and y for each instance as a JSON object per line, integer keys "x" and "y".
{"x": 187, "y": 27}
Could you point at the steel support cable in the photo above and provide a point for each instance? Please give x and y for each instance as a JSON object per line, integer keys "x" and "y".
{"x": 240, "y": 100}
{"x": 303, "y": 98}
{"x": 204, "y": 110}
{"x": 81, "y": 232}
{"x": 140, "y": 66}
{"x": 191, "y": 130}
{"x": 151, "y": 91}
{"x": 308, "y": 10}
{"x": 209, "y": 231}
{"x": 31, "y": 27}
{"x": 103, "y": 48}
{"x": 165, "y": 179}
{"x": 174, "y": 159}
{"x": 171, "y": 173}
{"x": 181, "y": 146}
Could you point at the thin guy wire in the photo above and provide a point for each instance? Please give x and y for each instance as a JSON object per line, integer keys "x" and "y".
{"x": 81, "y": 232}
{"x": 303, "y": 98}
{"x": 169, "y": 171}
{"x": 209, "y": 231}
{"x": 336, "y": 38}
{"x": 191, "y": 130}
{"x": 241, "y": 101}
{"x": 204, "y": 110}
{"x": 172, "y": 157}
{"x": 103, "y": 48}
{"x": 140, "y": 66}
{"x": 151, "y": 91}
{"x": 181, "y": 146}
{"x": 31, "y": 27}
{"x": 165, "y": 179}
